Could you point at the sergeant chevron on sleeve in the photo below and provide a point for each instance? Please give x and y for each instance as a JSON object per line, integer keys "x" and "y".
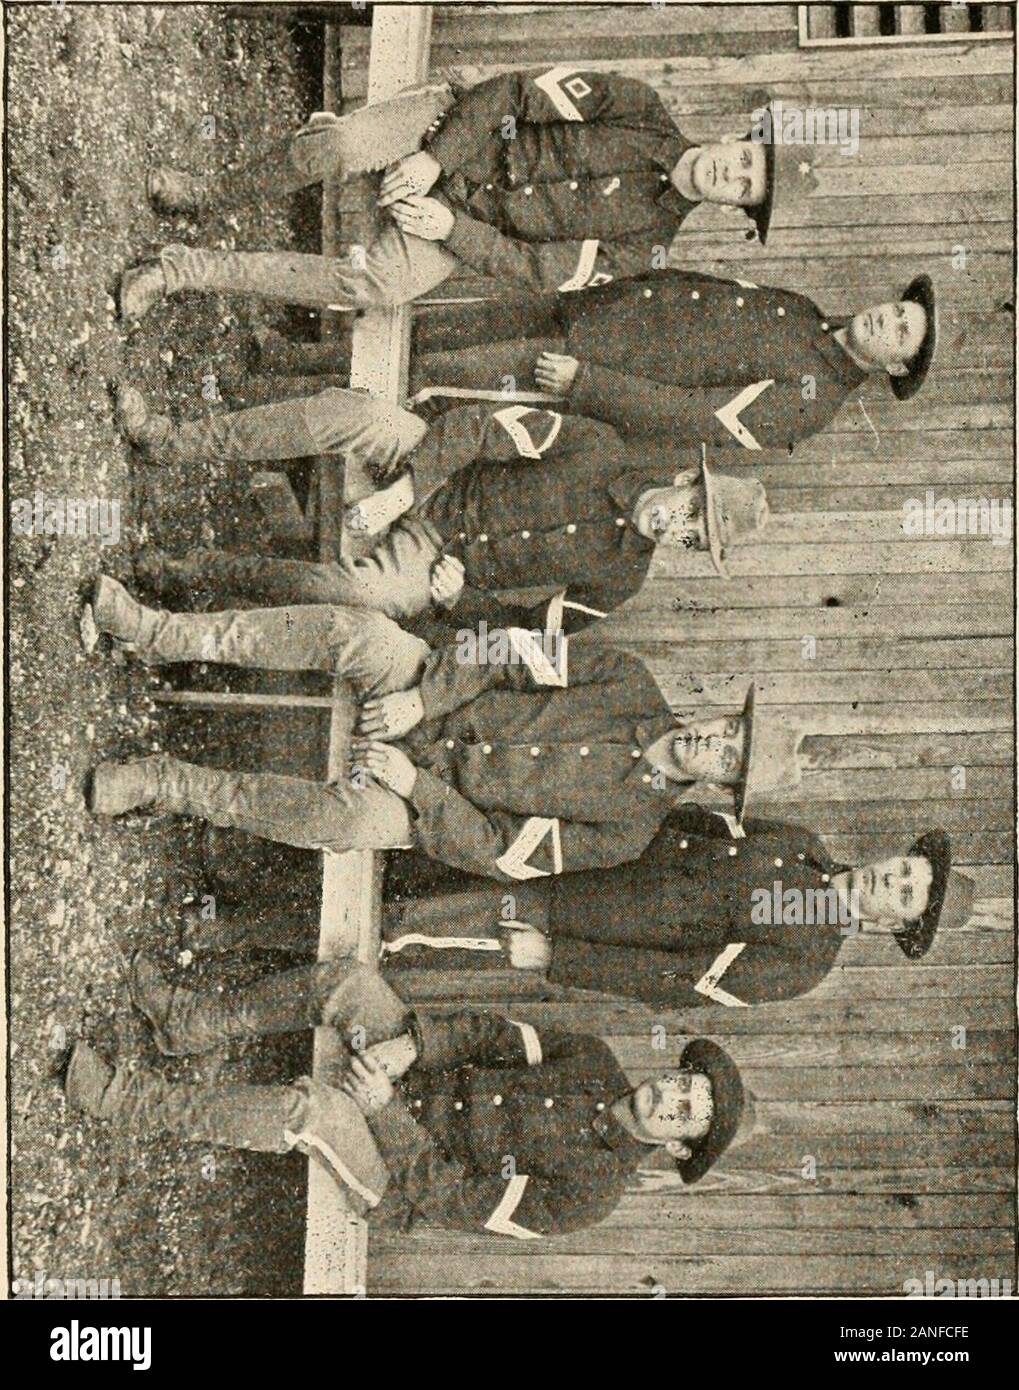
{"x": 467, "y": 1121}
{"x": 704, "y": 916}
{"x": 511, "y": 497}
{"x": 545, "y": 180}
{"x": 692, "y": 357}
{"x": 541, "y": 759}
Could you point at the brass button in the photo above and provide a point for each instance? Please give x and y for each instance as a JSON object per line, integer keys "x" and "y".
{"x": 683, "y": 844}
{"x": 486, "y": 748}
{"x": 535, "y": 751}
{"x": 489, "y": 187}
{"x": 733, "y": 851}
{"x": 696, "y": 294}
{"x": 458, "y": 1105}
{"x": 646, "y": 777}
{"x": 801, "y": 857}
{"x": 528, "y": 190}
{"x": 497, "y": 1100}
{"x": 778, "y": 863}
{"x": 482, "y": 538}
{"x": 574, "y": 184}
{"x": 584, "y": 751}
{"x": 648, "y": 294}
{"x": 781, "y": 313}
{"x": 600, "y": 1105}
{"x": 740, "y": 301}
{"x": 525, "y": 535}
{"x": 549, "y": 1102}
{"x": 620, "y": 520}
{"x": 571, "y": 529}
{"x": 450, "y": 743}
{"x": 825, "y": 878}
{"x": 635, "y": 753}
{"x": 824, "y": 328}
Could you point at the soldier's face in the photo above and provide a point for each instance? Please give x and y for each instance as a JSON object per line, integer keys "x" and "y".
{"x": 675, "y": 515}
{"x": 891, "y": 891}
{"x": 710, "y": 750}
{"x": 888, "y": 335}
{"x": 675, "y": 1105}
{"x": 731, "y": 172}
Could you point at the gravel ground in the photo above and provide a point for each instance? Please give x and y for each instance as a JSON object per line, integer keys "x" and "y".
{"x": 97, "y": 93}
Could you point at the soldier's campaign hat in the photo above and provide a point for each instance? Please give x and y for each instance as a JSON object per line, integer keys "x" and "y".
{"x": 771, "y": 749}
{"x": 760, "y": 213}
{"x": 727, "y": 1096}
{"x": 949, "y": 902}
{"x": 733, "y": 508}
{"x": 919, "y": 291}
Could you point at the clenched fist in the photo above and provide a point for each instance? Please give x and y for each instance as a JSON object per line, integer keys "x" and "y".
{"x": 556, "y": 373}
{"x": 447, "y": 581}
{"x": 415, "y": 173}
{"x": 391, "y": 716}
{"x": 423, "y": 217}
{"x": 386, "y": 764}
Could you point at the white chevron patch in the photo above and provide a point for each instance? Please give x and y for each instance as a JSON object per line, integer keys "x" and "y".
{"x": 708, "y": 983}
{"x": 729, "y": 414}
{"x": 584, "y": 273}
{"x": 559, "y": 92}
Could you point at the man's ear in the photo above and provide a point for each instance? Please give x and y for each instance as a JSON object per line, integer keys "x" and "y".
{"x": 898, "y": 369}
{"x": 677, "y": 1149}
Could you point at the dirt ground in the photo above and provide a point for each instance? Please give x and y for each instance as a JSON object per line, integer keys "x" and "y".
{"x": 96, "y": 94}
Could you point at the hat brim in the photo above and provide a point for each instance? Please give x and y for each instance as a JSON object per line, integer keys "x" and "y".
{"x": 727, "y": 1097}
{"x": 746, "y": 771}
{"x": 916, "y": 937}
{"x": 760, "y": 214}
{"x": 919, "y": 291}
{"x": 715, "y": 547}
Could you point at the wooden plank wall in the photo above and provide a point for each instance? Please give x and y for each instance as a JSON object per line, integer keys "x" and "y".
{"x": 911, "y": 678}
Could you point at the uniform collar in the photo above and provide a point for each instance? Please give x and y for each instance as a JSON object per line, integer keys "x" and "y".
{"x": 666, "y": 156}
{"x": 624, "y": 1145}
{"x": 835, "y": 354}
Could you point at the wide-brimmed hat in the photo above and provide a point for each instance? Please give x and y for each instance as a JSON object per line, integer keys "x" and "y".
{"x": 727, "y": 1097}
{"x": 760, "y": 213}
{"x": 771, "y": 761}
{"x": 919, "y": 291}
{"x": 733, "y": 508}
{"x": 949, "y": 902}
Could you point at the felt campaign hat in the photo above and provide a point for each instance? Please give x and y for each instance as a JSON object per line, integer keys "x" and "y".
{"x": 760, "y": 213}
{"x": 771, "y": 761}
{"x": 727, "y": 1097}
{"x": 733, "y": 508}
{"x": 919, "y": 291}
{"x": 949, "y": 902}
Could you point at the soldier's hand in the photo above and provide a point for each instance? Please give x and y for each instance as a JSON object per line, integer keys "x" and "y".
{"x": 447, "y": 581}
{"x": 394, "y": 1055}
{"x": 367, "y": 1084}
{"x": 391, "y": 716}
{"x": 386, "y": 764}
{"x": 527, "y": 948}
{"x": 415, "y": 173}
{"x": 423, "y": 217}
{"x": 554, "y": 372}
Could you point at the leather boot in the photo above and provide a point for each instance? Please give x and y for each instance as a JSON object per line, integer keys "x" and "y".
{"x": 172, "y": 190}
{"x": 143, "y": 428}
{"x": 120, "y": 616}
{"x": 120, "y": 787}
{"x": 187, "y": 1020}
{"x": 141, "y": 289}
{"x": 142, "y": 1102}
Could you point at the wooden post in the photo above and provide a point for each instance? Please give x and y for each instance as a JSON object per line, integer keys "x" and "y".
{"x": 336, "y": 1243}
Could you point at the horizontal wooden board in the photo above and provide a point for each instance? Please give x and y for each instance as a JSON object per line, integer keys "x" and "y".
{"x": 836, "y": 654}
{"x": 865, "y": 590}
{"x": 640, "y": 627}
{"x": 811, "y": 1212}
{"x": 546, "y": 1274}
{"x": 820, "y": 687}
{"x": 764, "y": 558}
{"x": 845, "y": 1052}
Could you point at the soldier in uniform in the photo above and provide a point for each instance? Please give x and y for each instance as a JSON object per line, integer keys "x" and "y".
{"x": 529, "y": 758}
{"x": 467, "y": 1121}
{"x": 716, "y": 910}
{"x": 693, "y": 358}
{"x": 531, "y": 498}
{"x": 543, "y": 180}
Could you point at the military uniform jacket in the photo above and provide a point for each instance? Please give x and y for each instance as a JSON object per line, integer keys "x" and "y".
{"x": 502, "y": 1128}
{"x": 539, "y": 498}
{"x": 560, "y": 179}
{"x": 535, "y": 766}
{"x": 678, "y": 928}
{"x": 707, "y": 360}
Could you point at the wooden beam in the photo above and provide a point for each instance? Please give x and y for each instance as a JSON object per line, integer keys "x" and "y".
{"x": 336, "y": 1242}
